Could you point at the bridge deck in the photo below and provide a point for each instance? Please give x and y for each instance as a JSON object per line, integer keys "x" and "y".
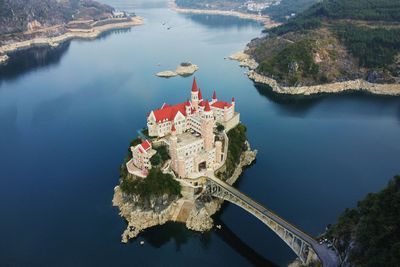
{"x": 327, "y": 256}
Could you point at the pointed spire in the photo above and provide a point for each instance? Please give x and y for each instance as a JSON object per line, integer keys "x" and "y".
{"x": 233, "y": 99}
{"x": 200, "y": 95}
{"x": 194, "y": 85}
{"x": 207, "y": 106}
{"x": 214, "y": 95}
{"x": 173, "y": 128}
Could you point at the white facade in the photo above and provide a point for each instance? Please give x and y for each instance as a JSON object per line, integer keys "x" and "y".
{"x": 188, "y": 129}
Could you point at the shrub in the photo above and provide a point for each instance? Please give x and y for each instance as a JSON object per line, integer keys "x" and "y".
{"x": 155, "y": 184}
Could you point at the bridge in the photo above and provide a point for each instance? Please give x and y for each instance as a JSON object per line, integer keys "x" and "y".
{"x": 306, "y": 247}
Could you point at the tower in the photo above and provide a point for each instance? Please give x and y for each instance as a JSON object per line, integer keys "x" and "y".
{"x": 173, "y": 148}
{"x": 207, "y": 126}
{"x": 200, "y": 96}
{"x": 195, "y": 94}
{"x": 218, "y": 152}
{"x": 214, "y": 98}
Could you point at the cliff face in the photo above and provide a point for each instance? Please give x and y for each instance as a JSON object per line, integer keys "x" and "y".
{"x": 170, "y": 208}
{"x": 23, "y": 15}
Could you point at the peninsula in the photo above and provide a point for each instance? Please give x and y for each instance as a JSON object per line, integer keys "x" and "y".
{"x": 265, "y": 19}
{"x": 61, "y": 21}
{"x": 166, "y": 171}
{"x": 331, "y": 47}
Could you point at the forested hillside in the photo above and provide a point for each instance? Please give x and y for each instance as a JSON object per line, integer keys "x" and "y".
{"x": 369, "y": 235}
{"x": 15, "y": 15}
{"x": 345, "y": 40}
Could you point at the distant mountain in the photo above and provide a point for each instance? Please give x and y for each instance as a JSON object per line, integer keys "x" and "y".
{"x": 334, "y": 40}
{"x": 19, "y": 15}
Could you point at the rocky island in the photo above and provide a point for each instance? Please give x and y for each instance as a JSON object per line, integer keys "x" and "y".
{"x": 184, "y": 69}
{"x": 165, "y": 173}
{"x": 333, "y": 46}
{"x": 28, "y": 23}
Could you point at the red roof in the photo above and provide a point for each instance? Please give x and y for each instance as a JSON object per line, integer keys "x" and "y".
{"x": 207, "y": 106}
{"x": 194, "y": 85}
{"x": 221, "y": 104}
{"x": 146, "y": 145}
{"x": 169, "y": 112}
{"x": 200, "y": 95}
{"x": 214, "y": 95}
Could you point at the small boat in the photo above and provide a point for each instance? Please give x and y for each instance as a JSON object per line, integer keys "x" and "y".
{"x": 219, "y": 226}
{"x": 168, "y": 28}
{"x": 142, "y": 243}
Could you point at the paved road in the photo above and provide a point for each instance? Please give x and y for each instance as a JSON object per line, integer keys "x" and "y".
{"x": 327, "y": 256}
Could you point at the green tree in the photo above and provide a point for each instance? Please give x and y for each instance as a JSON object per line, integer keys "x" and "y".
{"x": 155, "y": 160}
{"x": 374, "y": 227}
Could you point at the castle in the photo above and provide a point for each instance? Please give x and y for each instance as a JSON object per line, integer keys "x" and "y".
{"x": 189, "y": 131}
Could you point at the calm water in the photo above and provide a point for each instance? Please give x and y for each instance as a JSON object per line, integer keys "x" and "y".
{"x": 67, "y": 116}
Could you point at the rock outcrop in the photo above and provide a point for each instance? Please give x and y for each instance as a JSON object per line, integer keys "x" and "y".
{"x": 163, "y": 209}
{"x": 138, "y": 217}
{"x": 3, "y": 59}
{"x": 359, "y": 85}
{"x": 200, "y": 217}
{"x": 245, "y": 60}
{"x": 184, "y": 69}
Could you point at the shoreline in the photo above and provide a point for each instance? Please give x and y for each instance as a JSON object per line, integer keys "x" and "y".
{"x": 92, "y": 33}
{"x": 266, "y": 20}
{"x": 194, "y": 213}
{"x": 247, "y": 61}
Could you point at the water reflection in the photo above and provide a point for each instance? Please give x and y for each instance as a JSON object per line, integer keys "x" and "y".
{"x": 231, "y": 239}
{"x": 24, "y": 61}
{"x": 176, "y": 232}
{"x": 106, "y": 34}
{"x": 364, "y": 103}
{"x": 297, "y": 106}
{"x": 221, "y": 21}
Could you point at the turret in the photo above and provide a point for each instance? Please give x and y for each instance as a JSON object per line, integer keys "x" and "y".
{"x": 233, "y": 105}
{"x": 173, "y": 148}
{"x": 214, "y": 97}
{"x": 218, "y": 152}
{"x": 207, "y": 126}
{"x": 195, "y": 94}
{"x": 200, "y": 96}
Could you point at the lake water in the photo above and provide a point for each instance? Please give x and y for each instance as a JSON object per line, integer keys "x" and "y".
{"x": 67, "y": 116}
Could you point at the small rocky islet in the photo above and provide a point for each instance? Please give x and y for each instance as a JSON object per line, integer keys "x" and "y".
{"x": 184, "y": 69}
